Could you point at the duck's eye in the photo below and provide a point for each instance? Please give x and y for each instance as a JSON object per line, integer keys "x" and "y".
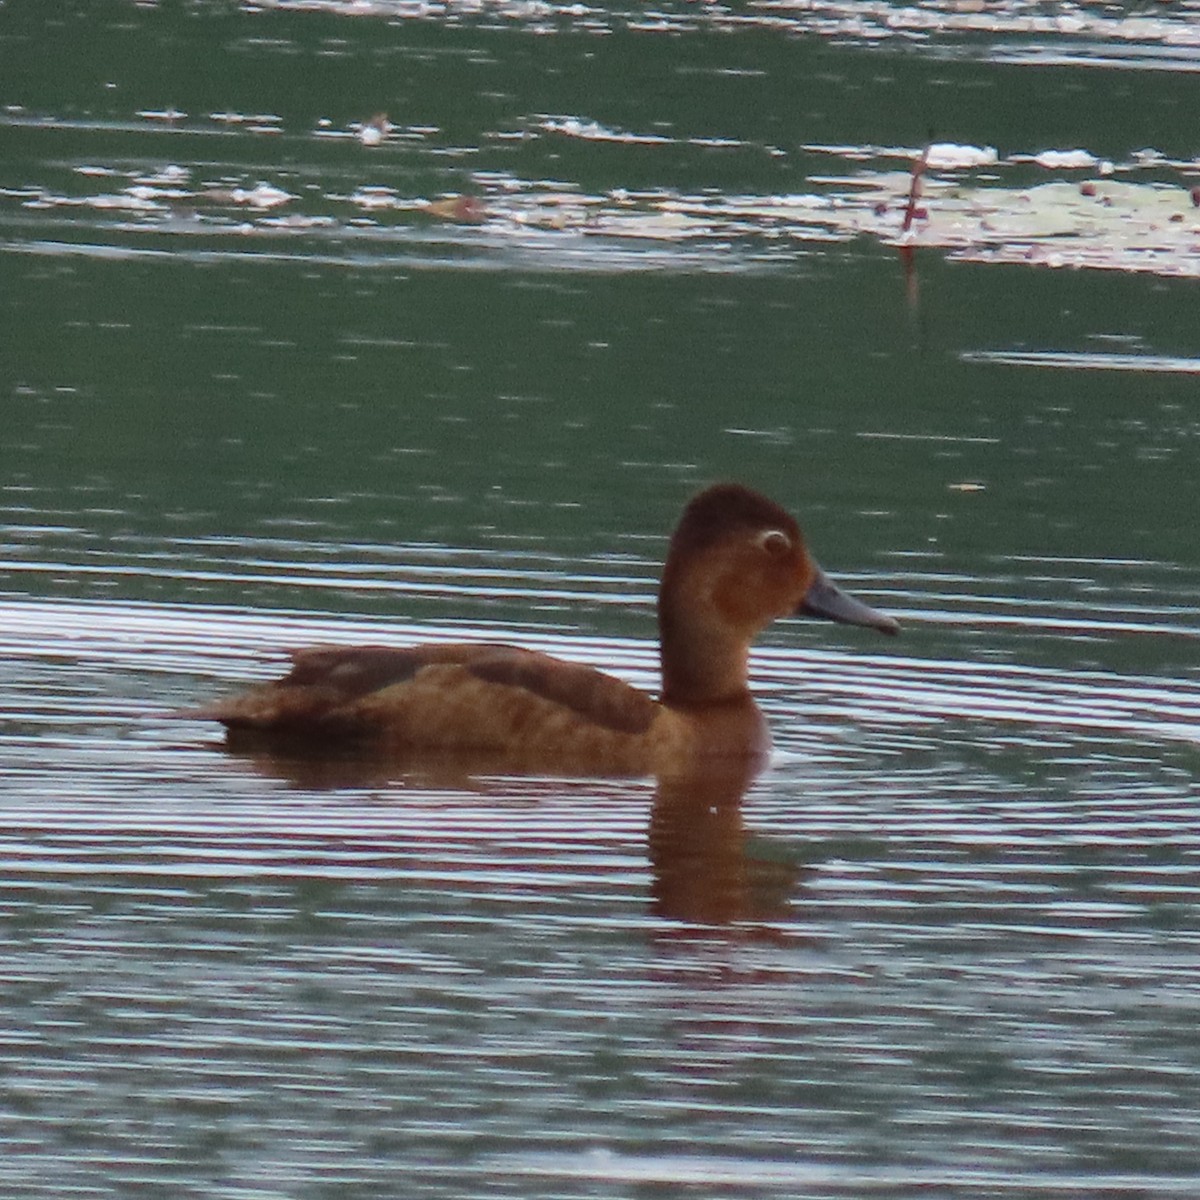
{"x": 775, "y": 542}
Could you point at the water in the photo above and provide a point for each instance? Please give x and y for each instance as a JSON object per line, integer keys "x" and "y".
{"x": 269, "y": 385}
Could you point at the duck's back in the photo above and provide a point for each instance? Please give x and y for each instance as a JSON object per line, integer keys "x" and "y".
{"x": 461, "y": 696}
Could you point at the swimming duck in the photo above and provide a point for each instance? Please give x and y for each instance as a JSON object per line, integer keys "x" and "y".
{"x": 736, "y": 562}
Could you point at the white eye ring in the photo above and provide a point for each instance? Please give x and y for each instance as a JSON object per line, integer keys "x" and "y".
{"x": 775, "y": 541}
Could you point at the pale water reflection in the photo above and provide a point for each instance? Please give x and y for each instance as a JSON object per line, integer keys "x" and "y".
{"x": 963, "y": 930}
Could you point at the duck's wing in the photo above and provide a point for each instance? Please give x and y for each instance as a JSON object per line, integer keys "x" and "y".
{"x": 367, "y": 689}
{"x": 596, "y": 697}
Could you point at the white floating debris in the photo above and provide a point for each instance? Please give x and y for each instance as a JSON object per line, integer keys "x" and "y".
{"x": 161, "y": 114}
{"x": 1065, "y": 159}
{"x": 296, "y": 222}
{"x": 593, "y": 131}
{"x": 944, "y": 156}
{"x": 147, "y": 192}
{"x": 237, "y": 118}
{"x": 375, "y": 130}
{"x": 168, "y": 176}
{"x": 264, "y": 195}
{"x": 375, "y": 197}
{"x": 125, "y": 200}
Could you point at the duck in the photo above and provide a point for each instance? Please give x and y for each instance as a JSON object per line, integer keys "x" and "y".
{"x": 736, "y": 562}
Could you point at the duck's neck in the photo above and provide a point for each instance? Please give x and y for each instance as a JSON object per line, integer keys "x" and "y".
{"x": 701, "y": 664}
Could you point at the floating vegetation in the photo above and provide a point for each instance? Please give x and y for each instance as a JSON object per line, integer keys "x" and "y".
{"x": 1045, "y": 206}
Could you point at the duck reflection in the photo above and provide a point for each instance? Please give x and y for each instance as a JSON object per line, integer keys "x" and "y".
{"x": 706, "y": 867}
{"x": 705, "y": 871}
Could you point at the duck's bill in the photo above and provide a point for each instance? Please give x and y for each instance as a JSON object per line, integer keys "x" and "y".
{"x": 825, "y": 599}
